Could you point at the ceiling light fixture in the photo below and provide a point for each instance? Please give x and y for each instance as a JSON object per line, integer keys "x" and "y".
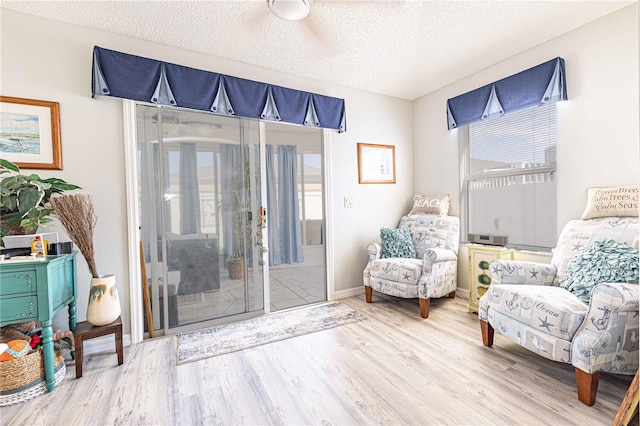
{"x": 290, "y": 10}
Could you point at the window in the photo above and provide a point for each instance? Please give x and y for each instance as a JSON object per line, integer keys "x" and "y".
{"x": 508, "y": 170}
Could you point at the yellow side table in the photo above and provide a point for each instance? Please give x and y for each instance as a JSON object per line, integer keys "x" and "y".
{"x": 480, "y": 256}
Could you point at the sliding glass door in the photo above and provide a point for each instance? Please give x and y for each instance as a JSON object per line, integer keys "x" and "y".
{"x": 294, "y": 170}
{"x": 231, "y": 216}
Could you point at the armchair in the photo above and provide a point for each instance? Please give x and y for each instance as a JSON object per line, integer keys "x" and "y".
{"x": 432, "y": 273}
{"x": 526, "y": 304}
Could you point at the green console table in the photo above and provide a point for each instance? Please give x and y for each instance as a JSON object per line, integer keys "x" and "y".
{"x": 35, "y": 290}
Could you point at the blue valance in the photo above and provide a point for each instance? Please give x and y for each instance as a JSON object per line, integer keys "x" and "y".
{"x": 542, "y": 84}
{"x": 141, "y": 79}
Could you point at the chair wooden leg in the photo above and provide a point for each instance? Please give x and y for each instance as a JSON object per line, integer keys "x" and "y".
{"x": 487, "y": 333}
{"x": 587, "y": 386}
{"x": 424, "y": 307}
{"x": 368, "y": 292}
{"x": 452, "y": 295}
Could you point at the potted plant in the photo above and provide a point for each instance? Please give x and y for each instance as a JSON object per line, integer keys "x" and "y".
{"x": 237, "y": 201}
{"x": 24, "y": 199}
{"x": 234, "y": 203}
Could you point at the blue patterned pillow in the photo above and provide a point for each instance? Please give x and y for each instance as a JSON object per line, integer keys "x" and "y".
{"x": 601, "y": 262}
{"x": 397, "y": 243}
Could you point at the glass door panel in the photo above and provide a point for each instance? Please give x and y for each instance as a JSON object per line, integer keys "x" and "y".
{"x": 198, "y": 200}
{"x": 231, "y": 216}
{"x": 295, "y": 194}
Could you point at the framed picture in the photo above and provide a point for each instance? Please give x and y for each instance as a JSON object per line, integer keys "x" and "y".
{"x": 376, "y": 163}
{"x": 30, "y": 133}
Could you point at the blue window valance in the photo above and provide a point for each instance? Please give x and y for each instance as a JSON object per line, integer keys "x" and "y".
{"x": 141, "y": 79}
{"x": 542, "y": 84}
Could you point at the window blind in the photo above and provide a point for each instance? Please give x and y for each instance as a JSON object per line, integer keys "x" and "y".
{"x": 510, "y": 177}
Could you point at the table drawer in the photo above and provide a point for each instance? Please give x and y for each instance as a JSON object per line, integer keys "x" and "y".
{"x": 17, "y": 282}
{"x": 18, "y": 309}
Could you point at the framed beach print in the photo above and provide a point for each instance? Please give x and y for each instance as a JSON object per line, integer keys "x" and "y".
{"x": 30, "y": 133}
{"x": 376, "y": 163}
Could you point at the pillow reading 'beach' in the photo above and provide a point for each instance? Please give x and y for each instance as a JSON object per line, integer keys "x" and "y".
{"x": 431, "y": 204}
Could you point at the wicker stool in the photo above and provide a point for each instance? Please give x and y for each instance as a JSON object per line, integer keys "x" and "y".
{"x": 85, "y": 331}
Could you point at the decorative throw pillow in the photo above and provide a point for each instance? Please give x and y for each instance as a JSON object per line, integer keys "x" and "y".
{"x": 602, "y": 262}
{"x": 397, "y": 243}
{"x": 431, "y": 204}
{"x": 615, "y": 201}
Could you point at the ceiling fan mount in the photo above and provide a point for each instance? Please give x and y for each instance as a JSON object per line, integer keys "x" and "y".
{"x": 290, "y": 10}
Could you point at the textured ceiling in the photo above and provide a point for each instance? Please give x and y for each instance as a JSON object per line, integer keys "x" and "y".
{"x": 399, "y": 48}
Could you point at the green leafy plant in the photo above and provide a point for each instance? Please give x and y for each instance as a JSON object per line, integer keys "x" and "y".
{"x": 24, "y": 199}
{"x": 237, "y": 201}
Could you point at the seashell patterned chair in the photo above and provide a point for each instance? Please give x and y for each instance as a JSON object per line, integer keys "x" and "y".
{"x": 428, "y": 268}
{"x": 580, "y": 309}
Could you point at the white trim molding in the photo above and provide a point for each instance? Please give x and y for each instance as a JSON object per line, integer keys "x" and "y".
{"x": 133, "y": 233}
{"x": 328, "y": 219}
{"x": 350, "y": 292}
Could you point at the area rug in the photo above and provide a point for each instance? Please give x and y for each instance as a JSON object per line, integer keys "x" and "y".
{"x": 201, "y": 344}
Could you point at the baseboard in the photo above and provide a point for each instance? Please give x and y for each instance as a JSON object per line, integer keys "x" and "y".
{"x": 104, "y": 344}
{"x": 463, "y": 293}
{"x": 350, "y": 292}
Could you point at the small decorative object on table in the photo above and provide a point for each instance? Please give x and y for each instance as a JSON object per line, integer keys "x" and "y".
{"x": 77, "y": 215}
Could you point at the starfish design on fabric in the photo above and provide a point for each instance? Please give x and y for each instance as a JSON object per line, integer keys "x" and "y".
{"x": 405, "y": 276}
{"x": 496, "y": 269}
{"x": 534, "y": 274}
{"x": 577, "y": 247}
{"x": 544, "y": 323}
{"x": 438, "y": 244}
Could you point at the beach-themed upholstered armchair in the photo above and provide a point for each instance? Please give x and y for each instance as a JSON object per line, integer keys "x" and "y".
{"x": 417, "y": 260}
{"x": 581, "y": 309}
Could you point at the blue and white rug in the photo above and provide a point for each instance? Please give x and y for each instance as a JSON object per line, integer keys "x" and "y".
{"x": 224, "y": 339}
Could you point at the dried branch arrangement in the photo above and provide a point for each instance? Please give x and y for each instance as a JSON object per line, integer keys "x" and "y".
{"x": 75, "y": 212}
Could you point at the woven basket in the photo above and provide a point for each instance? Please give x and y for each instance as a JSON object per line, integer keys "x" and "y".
{"x": 236, "y": 268}
{"x": 23, "y": 379}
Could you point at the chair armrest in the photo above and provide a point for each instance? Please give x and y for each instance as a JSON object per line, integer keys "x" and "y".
{"x": 607, "y": 340}
{"x": 375, "y": 251}
{"x": 435, "y": 255}
{"x": 521, "y": 272}
{"x": 439, "y": 273}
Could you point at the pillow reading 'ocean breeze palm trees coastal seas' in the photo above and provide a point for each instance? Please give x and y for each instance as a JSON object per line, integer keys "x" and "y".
{"x": 614, "y": 201}
{"x": 604, "y": 261}
{"x": 397, "y": 243}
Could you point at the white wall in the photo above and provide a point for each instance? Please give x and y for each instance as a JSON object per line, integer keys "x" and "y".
{"x": 598, "y": 143}
{"x": 48, "y": 60}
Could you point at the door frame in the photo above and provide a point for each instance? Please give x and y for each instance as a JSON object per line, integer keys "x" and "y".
{"x": 133, "y": 213}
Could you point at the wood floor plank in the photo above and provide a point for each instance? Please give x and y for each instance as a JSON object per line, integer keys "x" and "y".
{"x": 393, "y": 368}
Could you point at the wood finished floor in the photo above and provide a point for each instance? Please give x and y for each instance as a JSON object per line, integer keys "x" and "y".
{"x": 392, "y": 368}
